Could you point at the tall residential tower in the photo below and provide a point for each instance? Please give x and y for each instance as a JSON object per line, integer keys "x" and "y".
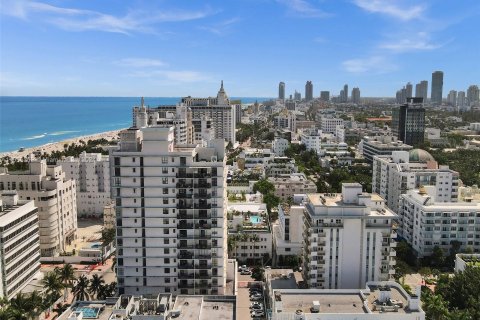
{"x": 437, "y": 87}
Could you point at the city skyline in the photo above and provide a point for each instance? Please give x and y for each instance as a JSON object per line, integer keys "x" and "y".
{"x": 169, "y": 49}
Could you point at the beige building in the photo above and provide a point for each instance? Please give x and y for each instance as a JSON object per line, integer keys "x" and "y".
{"x": 290, "y": 184}
{"x": 54, "y": 196}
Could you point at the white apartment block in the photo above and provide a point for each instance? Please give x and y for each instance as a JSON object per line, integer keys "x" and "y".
{"x": 288, "y": 185}
{"x": 285, "y": 120}
{"x": 323, "y": 143}
{"x": 279, "y": 145}
{"x": 256, "y": 158}
{"x": 348, "y": 239}
{"x": 385, "y": 300}
{"x": 288, "y": 233}
{"x": 426, "y": 223}
{"x": 91, "y": 171}
{"x": 20, "y": 244}
{"x": 381, "y": 146}
{"x": 329, "y": 125}
{"x": 171, "y": 213}
{"x": 280, "y": 166}
{"x": 402, "y": 171}
{"x": 54, "y": 196}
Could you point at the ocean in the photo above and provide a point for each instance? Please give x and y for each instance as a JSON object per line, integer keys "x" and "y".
{"x": 34, "y": 121}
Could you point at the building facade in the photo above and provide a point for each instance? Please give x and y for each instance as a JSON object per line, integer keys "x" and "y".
{"x": 402, "y": 171}
{"x": 381, "y": 145}
{"x": 309, "y": 91}
{"x": 286, "y": 186}
{"x": 281, "y": 91}
{"x": 20, "y": 244}
{"x": 347, "y": 239}
{"x": 171, "y": 218}
{"x": 54, "y": 196}
{"x": 356, "y": 95}
{"x": 421, "y": 90}
{"x": 426, "y": 223}
{"x": 325, "y": 95}
{"x": 437, "y": 87}
{"x": 288, "y": 233}
{"x": 408, "y": 122}
{"x": 91, "y": 171}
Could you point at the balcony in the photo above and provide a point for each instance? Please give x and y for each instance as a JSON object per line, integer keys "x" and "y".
{"x": 184, "y": 175}
{"x": 186, "y": 275}
{"x": 185, "y": 255}
{"x": 184, "y": 196}
{"x": 186, "y": 285}
{"x": 393, "y": 253}
{"x": 203, "y": 285}
{"x": 203, "y": 266}
{"x": 205, "y": 185}
{"x": 184, "y": 206}
{"x": 202, "y": 206}
{"x": 186, "y": 266}
{"x": 185, "y": 226}
{"x": 184, "y": 185}
{"x": 185, "y": 246}
{"x": 202, "y": 196}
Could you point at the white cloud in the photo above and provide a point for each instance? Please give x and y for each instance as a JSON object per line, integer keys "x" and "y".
{"x": 222, "y": 27}
{"x": 83, "y": 20}
{"x": 140, "y": 62}
{"x": 417, "y": 42}
{"x": 374, "y": 64}
{"x": 303, "y": 8}
{"x": 391, "y": 8}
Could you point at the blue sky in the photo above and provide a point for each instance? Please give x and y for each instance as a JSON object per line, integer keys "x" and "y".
{"x": 178, "y": 48}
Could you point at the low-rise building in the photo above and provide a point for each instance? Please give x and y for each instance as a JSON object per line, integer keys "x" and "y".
{"x": 329, "y": 125}
{"x": 280, "y": 166}
{"x": 381, "y": 146}
{"x": 426, "y": 223}
{"x": 348, "y": 239}
{"x": 288, "y": 185}
{"x": 279, "y": 145}
{"x": 19, "y": 245}
{"x": 378, "y": 301}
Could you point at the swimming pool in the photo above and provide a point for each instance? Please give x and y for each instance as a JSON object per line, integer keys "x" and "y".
{"x": 96, "y": 245}
{"x": 256, "y": 219}
{"x": 88, "y": 312}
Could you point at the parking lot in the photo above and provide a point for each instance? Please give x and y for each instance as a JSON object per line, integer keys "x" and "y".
{"x": 243, "y": 297}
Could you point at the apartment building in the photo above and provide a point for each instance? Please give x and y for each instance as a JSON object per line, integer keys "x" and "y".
{"x": 287, "y": 185}
{"x": 329, "y": 124}
{"x": 280, "y": 166}
{"x": 171, "y": 213}
{"x": 54, "y": 196}
{"x": 288, "y": 232}
{"x": 279, "y": 145}
{"x": 285, "y": 120}
{"x": 426, "y": 223}
{"x": 91, "y": 171}
{"x": 20, "y": 243}
{"x": 402, "y": 171}
{"x": 382, "y": 145}
{"x": 348, "y": 239}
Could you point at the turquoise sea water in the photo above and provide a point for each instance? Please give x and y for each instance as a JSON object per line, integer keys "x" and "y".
{"x": 34, "y": 121}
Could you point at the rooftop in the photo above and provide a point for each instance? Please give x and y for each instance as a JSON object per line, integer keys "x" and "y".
{"x": 205, "y": 307}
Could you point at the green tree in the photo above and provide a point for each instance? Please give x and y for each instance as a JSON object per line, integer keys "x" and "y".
{"x": 271, "y": 201}
{"x": 437, "y": 257}
{"x": 264, "y": 187}
{"x": 435, "y": 308}
{"x": 81, "y": 289}
{"x": 424, "y": 272}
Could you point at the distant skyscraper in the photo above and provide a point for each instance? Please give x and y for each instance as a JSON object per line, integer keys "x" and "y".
{"x": 409, "y": 88}
{"x": 437, "y": 87}
{"x": 408, "y": 122}
{"x": 345, "y": 92}
{"x": 356, "y": 95}
{"x": 473, "y": 94}
{"x": 421, "y": 90}
{"x": 452, "y": 98}
{"x": 297, "y": 96}
{"x": 325, "y": 95}
{"x": 461, "y": 103}
{"x": 281, "y": 90}
{"x": 342, "y": 96}
{"x": 308, "y": 91}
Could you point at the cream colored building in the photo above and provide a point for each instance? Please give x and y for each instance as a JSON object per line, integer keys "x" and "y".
{"x": 54, "y": 196}
{"x": 288, "y": 185}
{"x": 171, "y": 213}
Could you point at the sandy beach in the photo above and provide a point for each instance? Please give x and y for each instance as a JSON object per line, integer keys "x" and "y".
{"x": 58, "y": 146}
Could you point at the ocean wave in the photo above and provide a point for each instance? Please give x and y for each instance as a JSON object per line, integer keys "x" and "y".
{"x": 60, "y": 133}
{"x": 35, "y": 137}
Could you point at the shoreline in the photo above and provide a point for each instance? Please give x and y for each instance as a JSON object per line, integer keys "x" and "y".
{"x": 58, "y": 146}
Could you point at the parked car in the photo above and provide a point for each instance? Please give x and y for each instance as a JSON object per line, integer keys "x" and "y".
{"x": 258, "y": 313}
{"x": 243, "y": 267}
{"x": 246, "y": 272}
{"x": 256, "y": 305}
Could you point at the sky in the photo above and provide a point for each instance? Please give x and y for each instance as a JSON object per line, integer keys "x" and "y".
{"x": 179, "y": 48}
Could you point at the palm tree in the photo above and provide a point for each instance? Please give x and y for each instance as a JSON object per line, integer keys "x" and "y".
{"x": 52, "y": 285}
{"x": 36, "y": 305}
{"x": 254, "y": 238}
{"x": 80, "y": 290}
{"x": 243, "y": 237}
{"x": 96, "y": 284}
{"x": 66, "y": 275}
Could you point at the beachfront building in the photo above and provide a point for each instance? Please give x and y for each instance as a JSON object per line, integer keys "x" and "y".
{"x": 287, "y": 185}
{"x": 171, "y": 213}
{"x": 20, "y": 243}
{"x": 426, "y": 222}
{"x": 91, "y": 171}
{"x": 217, "y": 113}
{"x": 54, "y": 196}
{"x": 382, "y": 145}
{"x": 347, "y": 239}
{"x": 288, "y": 233}
{"x": 386, "y": 300}
{"x": 394, "y": 175}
